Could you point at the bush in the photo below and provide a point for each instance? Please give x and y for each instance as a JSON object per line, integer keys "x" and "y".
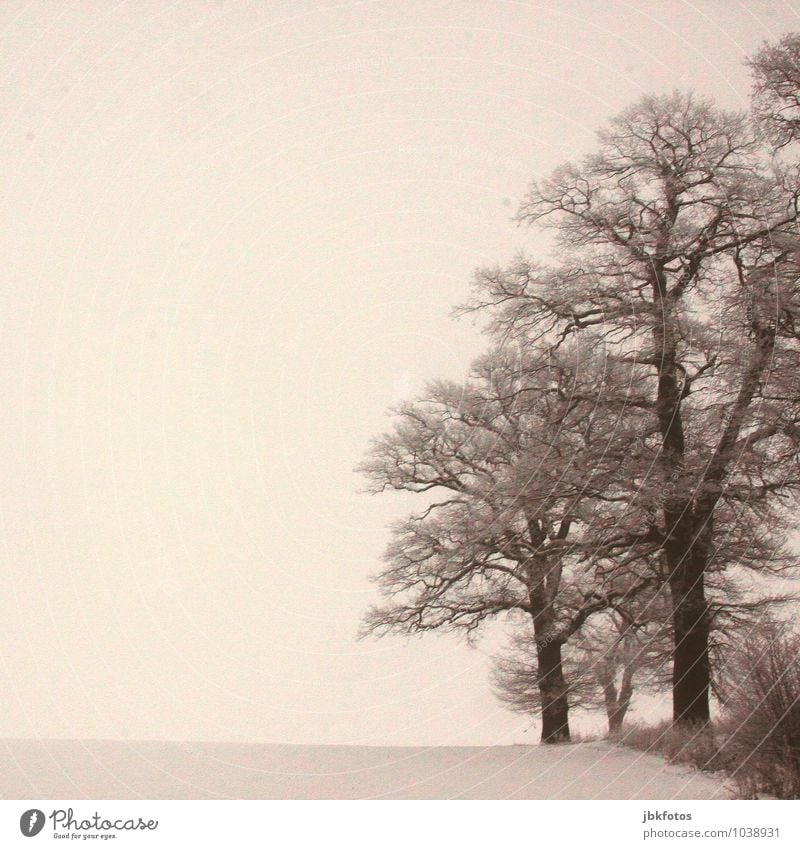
{"x": 762, "y": 714}
{"x": 757, "y": 739}
{"x": 701, "y": 747}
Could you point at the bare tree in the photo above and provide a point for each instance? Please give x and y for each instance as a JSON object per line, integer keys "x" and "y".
{"x": 615, "y": 667}
{"x": 628, "y": 646}
{"x": 776, "y": 89}
{"x": 513, "y": 462}
{"x": 607, "y": 660}
{"x": 679, "y": 249}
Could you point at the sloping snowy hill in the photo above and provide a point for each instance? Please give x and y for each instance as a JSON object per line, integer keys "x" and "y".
{"x": 74, "y": 769}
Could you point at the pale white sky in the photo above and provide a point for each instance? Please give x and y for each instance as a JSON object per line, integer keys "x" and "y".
{"x": 232, "y": 235}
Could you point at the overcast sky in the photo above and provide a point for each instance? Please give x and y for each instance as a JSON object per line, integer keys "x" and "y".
{"x": 232, "y": 236}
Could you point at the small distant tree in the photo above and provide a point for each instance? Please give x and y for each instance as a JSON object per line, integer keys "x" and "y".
{"x": 513, "y": 464}
{"x": 617, "y": 666}
{"x": 606, "y": 662}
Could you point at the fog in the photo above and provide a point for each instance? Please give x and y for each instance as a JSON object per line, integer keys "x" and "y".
{"x": 233, "y": 235}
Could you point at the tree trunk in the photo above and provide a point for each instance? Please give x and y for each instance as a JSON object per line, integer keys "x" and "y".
{"x": 616, "y": 701}
{"x": 615, "y": 711}
{"x": 624, "y": 696}
{"x": 552, "y": 691}
{"x": 687, "y": 556}
{"x": 550, "y": 673}
{"x": 690, "y": 672}
{"x": 616, "y": 717}
{"x": 605, "y": 677}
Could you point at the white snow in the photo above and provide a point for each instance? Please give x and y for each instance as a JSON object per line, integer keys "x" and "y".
{"x": 75, "y": 769}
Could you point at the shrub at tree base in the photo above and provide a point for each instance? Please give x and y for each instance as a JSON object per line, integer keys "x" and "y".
{"x": 700, "y": 746}
{"x": 757, "y": 739}
{"x": 762, "y": 715}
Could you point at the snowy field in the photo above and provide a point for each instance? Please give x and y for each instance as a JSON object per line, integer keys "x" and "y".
{"x": 74, "y": 769}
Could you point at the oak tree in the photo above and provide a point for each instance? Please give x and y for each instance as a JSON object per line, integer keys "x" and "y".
{"x": 513, "y": 463}
{"x": 678, "y": 248}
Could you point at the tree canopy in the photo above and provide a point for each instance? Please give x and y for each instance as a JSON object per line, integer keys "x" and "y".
{"x": 634, "y": 429}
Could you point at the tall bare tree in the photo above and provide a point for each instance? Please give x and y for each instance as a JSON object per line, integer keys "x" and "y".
{"x": 678, "y": 248}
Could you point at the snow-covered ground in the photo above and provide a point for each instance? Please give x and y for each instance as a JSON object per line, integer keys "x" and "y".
{"x": 74, "y": 769}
